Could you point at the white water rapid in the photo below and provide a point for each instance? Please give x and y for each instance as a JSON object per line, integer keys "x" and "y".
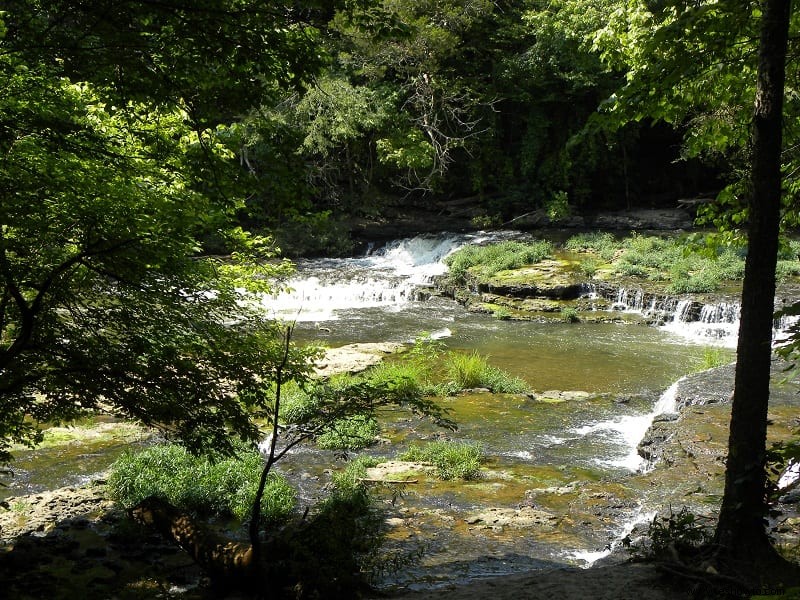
{"x": 389, "y": 278}
{"x": 632, "y": 430}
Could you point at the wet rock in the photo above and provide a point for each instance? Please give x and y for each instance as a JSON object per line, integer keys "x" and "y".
{"x": 524, "y": 517}
{"x": 397, "y": 469}
{"x": 556, "y": 396}
{"x": 354, "y": 358}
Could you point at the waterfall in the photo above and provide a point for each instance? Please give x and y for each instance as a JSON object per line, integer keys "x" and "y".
{"x": 587, "y": 558}
{"x": 712, "y": 323}
{"x": 389, "y": 277}
{"x": 708, "y": 323}
{"x": 631, "y": 429}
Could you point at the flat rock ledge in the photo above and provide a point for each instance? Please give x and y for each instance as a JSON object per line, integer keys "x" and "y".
{"x": 42, "y": 513}
{"x": 354, "y": 358}
{"x": 526, "y": 517}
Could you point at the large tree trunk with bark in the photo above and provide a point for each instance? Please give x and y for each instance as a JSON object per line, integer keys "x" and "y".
{"x": 741, "y": 531}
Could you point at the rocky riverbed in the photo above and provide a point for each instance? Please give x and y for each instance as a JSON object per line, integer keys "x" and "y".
{"x": 73, "y": 542}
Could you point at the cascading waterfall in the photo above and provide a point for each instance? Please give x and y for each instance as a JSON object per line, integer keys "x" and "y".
{"x": 389, "y": 278}
{"x": 714, "y": 323}
{"x": 630, "y": 429}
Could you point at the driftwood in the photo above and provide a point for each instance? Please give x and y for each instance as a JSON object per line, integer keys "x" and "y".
{"x": 222, "y": 559}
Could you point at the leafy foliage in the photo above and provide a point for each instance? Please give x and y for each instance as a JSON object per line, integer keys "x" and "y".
{"x": 223, "y": 488}
{"x": 683, "y": 533}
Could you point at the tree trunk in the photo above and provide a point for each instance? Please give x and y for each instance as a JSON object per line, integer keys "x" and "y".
{"x": 227, "y": 562}
{"x": 740, "y": 530}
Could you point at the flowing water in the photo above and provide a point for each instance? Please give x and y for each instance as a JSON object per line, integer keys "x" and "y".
{"x": 572, "y": 458}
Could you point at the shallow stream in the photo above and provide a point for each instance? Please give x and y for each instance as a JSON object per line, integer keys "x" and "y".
{"x": 572, "y": 459}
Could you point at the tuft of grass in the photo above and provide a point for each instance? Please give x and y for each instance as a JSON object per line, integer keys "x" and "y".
{"x": 714, "y": 357}
{"x": 353, "y": 433}
{"x": 569, "y": 314}
{"x": 453, "y": 460}
{"x": 485, "y": 261}
{"x": 467, "y": 371}
{"x": 601, "y": 243}
{"x": 196, "y": 483}
{"x": 589, "y": 267}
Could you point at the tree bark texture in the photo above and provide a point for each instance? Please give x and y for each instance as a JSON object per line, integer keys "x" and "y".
{"x": 741, "y": 526}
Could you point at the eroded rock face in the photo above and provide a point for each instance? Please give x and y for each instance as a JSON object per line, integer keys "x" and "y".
{"x": 688, "y": 450}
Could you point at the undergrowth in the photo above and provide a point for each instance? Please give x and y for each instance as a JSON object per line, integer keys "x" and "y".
{"x": 224, "y": 487}
{"x": 485, "y": 261}
{"x": 453, "y": 460}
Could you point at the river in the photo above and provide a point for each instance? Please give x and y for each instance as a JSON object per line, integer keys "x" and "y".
{"x": 572, "y": 459}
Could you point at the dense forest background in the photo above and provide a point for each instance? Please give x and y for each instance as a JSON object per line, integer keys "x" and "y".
{"x": 517, "y": 105}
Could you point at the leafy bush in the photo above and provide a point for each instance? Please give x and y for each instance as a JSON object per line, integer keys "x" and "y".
{"x": 683, "y": 532}
{"x": 196, "y": 483}
{"x": 332, "y": 552}
{"x": 453, "y": 460}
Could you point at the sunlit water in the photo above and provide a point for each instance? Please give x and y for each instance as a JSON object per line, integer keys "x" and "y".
{"x": 530, "y": 446}
{"x": 554, "y": 456}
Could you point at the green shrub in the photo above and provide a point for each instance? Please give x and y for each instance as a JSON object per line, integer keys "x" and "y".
{"x": 453, "y": 460}
{"x": 354, "y": 433}
{"x": 682, "y": 532}
{"x": 333, "y": 552}
{"x": 196, "y": 483}
{"x": 485, "y": 261}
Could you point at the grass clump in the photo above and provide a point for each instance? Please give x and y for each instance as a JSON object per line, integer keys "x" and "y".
{"x": 601, "y": 243}
{"x": 485, "y": 261}
{"x": 453, "y": 460}
{"x": 196, "y": 483}
{"x": 354, "y": 433}
{"x": 467, "y": 371}
{"x": 569, "y": 314}
{"x": 714, "y": 357}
